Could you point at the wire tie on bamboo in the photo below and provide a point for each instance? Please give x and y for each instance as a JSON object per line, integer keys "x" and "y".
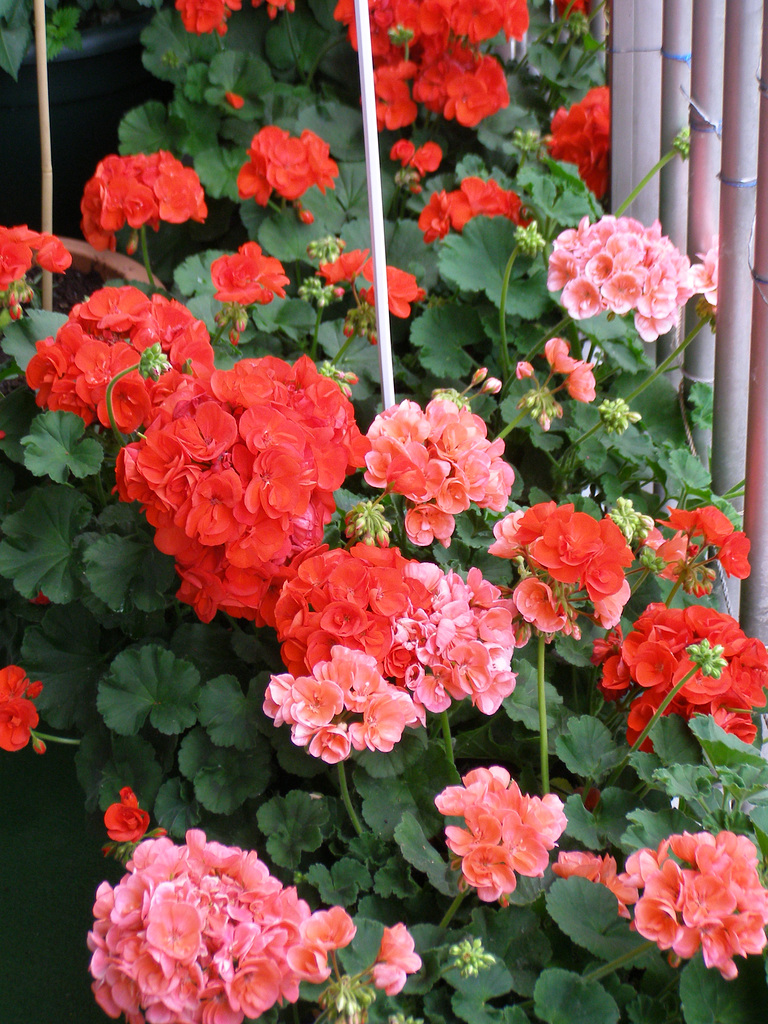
{"x": 683, "y": 58}
{"x": 763, "y": 85}
{"x": 641, "y": 49}
{"x": 702, "y": 123}
{"x": 697, "y": 380}
{"x": 738, "y": 182}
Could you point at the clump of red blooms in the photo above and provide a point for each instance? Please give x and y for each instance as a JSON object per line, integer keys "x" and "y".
{"x": 203, "y": 933}
{"x": 441, "y": 461}
{"x": 436, "y": 636}
{"x": 581, "y": 135}
{"x": 569, "y": 7}
{"x": 139, "y": 190}
{"x": 475, "y": 197}
{"x": 108, "y": 334}
{"x": 20, "y": 248}
{"x": 568, "y": 558}
{"x": 597, "y": 869}
{"x": 236, "y": 472}
{"x": 18, "y": 715}
{"x": 701, "y": 891}
{"x": 702, "y": 536}
{"x": 507, "y": 834}
{"x": 618, "y": 264}
{"x": 248, "y": 276}
{"x": 203, "y": 16}
{"x": 289, "y": 166}
{"x": 415, "y": 162}
{"x": 653, "y": 658}
{"x": 430, "y": 53}
{"x": 126, "y": 824}
{"x": 579, "y": 382}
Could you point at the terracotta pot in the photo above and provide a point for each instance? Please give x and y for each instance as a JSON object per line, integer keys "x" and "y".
{"x": 108, "y": 264}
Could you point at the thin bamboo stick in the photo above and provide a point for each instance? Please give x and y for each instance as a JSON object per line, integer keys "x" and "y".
{"x": 754, "y": 590}
{"x": 646, "y": 106}
{"x": 621, "y": 79}
{"x": 44, "y": 117}
{"x": 703, "y": 184}
{"x": 375, "y": 202}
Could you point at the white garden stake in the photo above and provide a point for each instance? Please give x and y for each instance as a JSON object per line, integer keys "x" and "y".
{"x": 375, "y": 202}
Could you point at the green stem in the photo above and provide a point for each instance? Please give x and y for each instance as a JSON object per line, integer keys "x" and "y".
{"x": 504, "y": 351}
{"x": 550, "y": 334}
{"x": 673, "y": 591}
{"x": 447, "y": 740}
{"x": 653, "y": 720}
{"x": 448, "y": 915}
{"x": 54, "y": 739}
{"x": 625, "y": 958}
{"x": 511, "y": 425}
{"x": 220, "y": 331}
{"x": 108, "y": 400}
{"x": 313, "y": 349}
{"x": 346, "y": 799}
{"x": 542, "y": 699}
{"x": 661, "y": 368}
{"x": 145, "y": 254}
{"x": 343, "y": 349}
{"x": 669, "y": 155}
{"x": 640, "y": 581}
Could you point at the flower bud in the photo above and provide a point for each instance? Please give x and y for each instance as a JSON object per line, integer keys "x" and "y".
{"x": 682, "y": 142}
{"x": 37, "y": 745}
{"x": 367, "y": 522}
{"x": 615, "y": 415}
{"x": 708, "y": 657}
{"x": 651, "y": 561}
{"x": 452, "y": 395}
{"x": 344, "y": 378}
{"x": 153, "y": 361}
{"x": 529, "y": 240}
{"x": 399, "y": 35}
{"x": 491, "y": 387}
{"x": 527, "y": 141}
{"x": 470, "y": 958}
{"x": 479, "y": 376}
{"x": 634, "y": 525}
{"x": 326, "y": 249}
{"x": 133, "y": 243}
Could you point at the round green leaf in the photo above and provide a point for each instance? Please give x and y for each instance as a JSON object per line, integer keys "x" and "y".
{"x": 149, "y": 682}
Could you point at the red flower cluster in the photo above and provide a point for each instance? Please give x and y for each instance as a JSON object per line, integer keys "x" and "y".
{"x": 107, "y": 334}
{"x": 439, "y": 638}
{"x": 653, "y": 656}
{"x": 19, "y": 249}
{"x": 582, "y": 136}
{"x": 702, "y": 891}
{"x": 278, "y": 162}
{"x": 441, "y": 460}
{"x": 237, "y": 475}
{"x": 430, "y": 53}
{"x": 18, "y": 715}
{"x": 415, "y": 162}
{"x": 203, "y": 933}
{"x": 508, "y": 833}
{"x": 572, "y": 7}
{"x": 597, "y": 869}
{"x": 564, "y": 551}
{"x": 139, "y": 190}
{"x": 202, "y": 16}
{"x": 402, "y": 288}
{"x": 248, "y": 276}
{"x": 696, "y": 531}
{"x": 126, "y": 822}
{"x": 475, "y": 197}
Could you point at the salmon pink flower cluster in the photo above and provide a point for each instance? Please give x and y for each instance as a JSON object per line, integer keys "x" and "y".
{"x": 581, "y": 135}
{"x": 20, "y": 248}
{"x": 507, "y": 834}
{"x": 653, "y": 657}
{"x": 237, "y": 474}
{"x": 106, "y": 335}
{"x": 289, "y": 166}
{"x": 701, "y": 891}
{"x": 597, "y": 869}
{"x": 579, "y": 383}
{"x": 618, "y": 264}
{"x": 139, "y": 190}
{"x": 701, "y": 536}
{"x": 441, "y": 460}
{"x": 439, "y": 638}
{"x": 18, "y": 715}
{"x": 203, "y": 933}
{"x": 430, "y": 53}
{"x": 475, "y": 197}
{"x": 345, "y": 703}
{"x": 415, "y": 163}
{"x": 564, "y": 552}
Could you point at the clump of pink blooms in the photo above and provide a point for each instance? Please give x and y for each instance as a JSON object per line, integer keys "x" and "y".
{"x": 701, "y": 890}
{"x": 507, "y": 834}
{"x": 619, "y": 265}
{"x": 704, "y": 274}
{"x": 441, "y": 460}
{"x": 601, "y": 870}
{"x": 568, "y": 558}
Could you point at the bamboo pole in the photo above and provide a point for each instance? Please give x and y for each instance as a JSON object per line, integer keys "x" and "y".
{"x": 703, "y": 184}
{"x": 673, "y": 181}
{"x": 621, "y": 80}
{"x": 754, "y": 590}
{"x": 646, "y": 106}
{"x": 738, "y": 180}
{"x": 44, "y": 117}
{"x": 375, "y": 202}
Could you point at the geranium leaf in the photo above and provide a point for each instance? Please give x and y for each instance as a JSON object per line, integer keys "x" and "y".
{"x": 169, "y": 49}
{"x": 231, "y": 718}
{"x": 149, "y": 128}
{"x": 17, "y": 411}
{"x": 442, "y": 334}
{"x": 723, "y": 749}
{"x": 38, "y": 552}
{"x": 562, "y": 997}
{"x": 587, "y": 748}
{"x": 217, "y": 169}
{"x": 417, "y": 850}
{"x": 365, "y": 948}
{"x": 223, "y": 778}
{"x": 176, "y": 808}
{"x": 124, "y": 571}
{"x": 588, "y": 913}
{"x": 515, "y": 937}
{"x": 707, "y": 998}
{"x": 149, "y": 682}
{"x": 105, "y": 763}
{"x": 475, "y": 260}
{"x": 342, "y": 883}
{"x": 55, "y": 447}
{"x": 19, "y": 338}
{"x": 522, "y": 704}
{"x": 292, "y": 825}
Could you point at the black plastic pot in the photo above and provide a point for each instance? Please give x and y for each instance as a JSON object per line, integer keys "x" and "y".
{"x": 90, "y": 90}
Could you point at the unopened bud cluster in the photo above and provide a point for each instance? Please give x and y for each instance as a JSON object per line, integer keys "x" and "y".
{"x": 361, "y": 321}
{"x": 15, "y": 294}
{"x": 153, "y": 361}
{"x": 400, "y": 35}
{"x": 651, "y": 561}
{"x": 633, "y": 524}
{"x": 529, "y": 240}
{"x": 234, "y": 315}
{"x": 452, "y": 395}
{"x": 321, "y": 295}
{"x": 344, "y": 378}
{"x": 527, "y": 141}
{"x": 616, "y": 416}
{"x": 708, "y": 657}
{"x": 470, "y": 958}
{"x": 347, "y": 1000}
{"x": 542, "y": 406}
{"x": 578, "y": 25}
{"x": 682, "y": 142}
{"x": 367, "y": 522}
{"x": 326, "y": 249}
{"x": 400, "y": 1018}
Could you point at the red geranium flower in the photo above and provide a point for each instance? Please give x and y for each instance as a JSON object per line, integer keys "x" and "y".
{"x": 126, "y": 822}
{"x": 582, "y": 136}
